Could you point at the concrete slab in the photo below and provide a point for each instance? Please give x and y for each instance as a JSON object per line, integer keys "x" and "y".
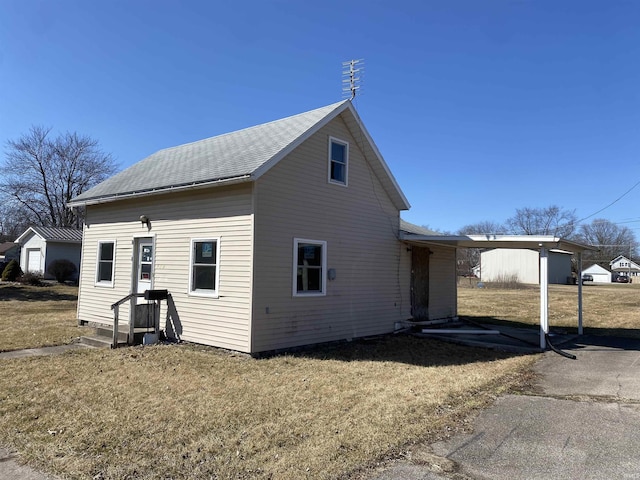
{"x": 605, "y": 366}
{"x": 34, "y": 352}
{"x": 10, "y": 469}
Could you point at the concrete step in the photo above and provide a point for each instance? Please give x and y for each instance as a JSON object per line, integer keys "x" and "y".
{"x": 107, "y": 332}
{"x": 95, "y": 341}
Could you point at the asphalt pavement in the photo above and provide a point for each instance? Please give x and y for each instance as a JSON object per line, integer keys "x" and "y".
{"x": 582, "y": 422}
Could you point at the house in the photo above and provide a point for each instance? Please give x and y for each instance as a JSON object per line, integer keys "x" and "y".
{"x": 43, "y": 245}
{"x": 9, "y": 251}
{"x": 621, "y": 265}
{"x": 599, "y": 274}
{"x": 522, "y": 265}
{"x": 275, "y": 236}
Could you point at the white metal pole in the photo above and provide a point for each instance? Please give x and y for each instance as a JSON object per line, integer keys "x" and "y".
{"x": 544, "y": 296}
{"x": 579, "y": 293}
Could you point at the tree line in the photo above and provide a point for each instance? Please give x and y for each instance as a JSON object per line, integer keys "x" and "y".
{"x": 41, "y": 172}
{"x": 609, "y": 237}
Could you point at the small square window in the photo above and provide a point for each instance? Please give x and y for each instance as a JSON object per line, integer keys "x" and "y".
{"x": 338, "y": 161}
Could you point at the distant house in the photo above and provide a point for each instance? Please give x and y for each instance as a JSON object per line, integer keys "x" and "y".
{"x": 276, "y": 236}
{"x": 9, "y": 251}
{"x": 599, "y": 274}
{"x": 621, "y": 265}
{"x": 523, "y": 265}
{"x": 43, "y": 245}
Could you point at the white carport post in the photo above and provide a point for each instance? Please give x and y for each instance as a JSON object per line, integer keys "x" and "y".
{"x": 579, "y": 293}
{"x": 544, "y": 296}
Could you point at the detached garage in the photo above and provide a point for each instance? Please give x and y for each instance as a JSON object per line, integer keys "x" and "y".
{"x": 599, "y": 274}
{"x": 43, "y": 245}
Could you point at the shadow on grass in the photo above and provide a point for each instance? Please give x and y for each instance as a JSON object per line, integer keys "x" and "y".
{"x": 400, "y": 348}
{"x": 27, "y": 293}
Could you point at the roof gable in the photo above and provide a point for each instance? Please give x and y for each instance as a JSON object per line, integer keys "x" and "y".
{"x": 595, "y": 268}
{"x": 239, "y": 156}
{"x": 52, "y": 234}
{"x": 622, "y": 258}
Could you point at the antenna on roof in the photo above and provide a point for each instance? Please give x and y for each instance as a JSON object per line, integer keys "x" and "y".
{"x": 351, "y": 76}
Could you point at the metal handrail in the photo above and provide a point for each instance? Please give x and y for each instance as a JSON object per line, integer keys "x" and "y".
{"x": 116, "y": 312}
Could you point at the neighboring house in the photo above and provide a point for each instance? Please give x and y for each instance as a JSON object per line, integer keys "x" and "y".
{"x": 43, "y": 245}
{"x": 275, "y": 236}
{"x": 9, "y": 251}
{"x": 621, "y": 265}
{"x": 523, "y": 265}
{"x": 599, "y": 274}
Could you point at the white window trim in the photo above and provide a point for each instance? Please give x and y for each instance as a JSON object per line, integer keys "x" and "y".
{"x": 97, "y": 281}
{"x": 204, "y": 293}
{"x": 346, "y": 165}
{"x": 323, "y": 276}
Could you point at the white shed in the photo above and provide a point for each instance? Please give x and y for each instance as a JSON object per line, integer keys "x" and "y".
{"x": 43, "y": 245}
{"x": 599, "y": 274}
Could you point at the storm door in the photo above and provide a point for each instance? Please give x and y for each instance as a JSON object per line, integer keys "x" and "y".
{"x": 144, "y": 266}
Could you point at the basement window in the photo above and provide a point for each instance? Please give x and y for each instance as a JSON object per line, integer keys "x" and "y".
{"x": 338, "y": 161}
{"x": 309, "y": 267}
{"x": 105, "y": 264}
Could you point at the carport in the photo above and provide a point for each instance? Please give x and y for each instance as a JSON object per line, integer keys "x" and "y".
{"x": 542, "y": 244}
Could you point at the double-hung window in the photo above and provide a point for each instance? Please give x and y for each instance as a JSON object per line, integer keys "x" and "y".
{"x": 106, "y": 263}
{"x": 309, "y": 267}
{"x": 338, "y": 161}
{"x": 204, "y": 272}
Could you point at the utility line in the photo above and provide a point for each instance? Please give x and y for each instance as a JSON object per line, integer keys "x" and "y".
{"x": 612, "y": 203}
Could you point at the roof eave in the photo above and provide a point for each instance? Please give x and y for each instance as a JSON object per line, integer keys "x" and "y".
{"x": 161, "y": 190}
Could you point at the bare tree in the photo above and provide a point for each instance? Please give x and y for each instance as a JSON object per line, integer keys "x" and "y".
{"x": 14, "y": 220}
{"x": 41, "y": 174}
{"x": 543, "y": 221}
{"x": 470, "y": 257}
{"x": 611, "y": 239}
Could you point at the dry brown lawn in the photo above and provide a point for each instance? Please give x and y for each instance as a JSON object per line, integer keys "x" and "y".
{"x": 33, "y": 317}
{"x": 608, "y": 309}
{"x": 182, "y": 411}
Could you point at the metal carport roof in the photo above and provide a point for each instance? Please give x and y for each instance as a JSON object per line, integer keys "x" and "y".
{"x": 542, "y": 243}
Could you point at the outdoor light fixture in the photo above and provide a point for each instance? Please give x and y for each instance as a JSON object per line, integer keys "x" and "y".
{"x": 145, "y": 220}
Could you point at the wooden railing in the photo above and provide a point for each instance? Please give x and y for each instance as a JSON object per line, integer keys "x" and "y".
{"x": 116, "y": 312}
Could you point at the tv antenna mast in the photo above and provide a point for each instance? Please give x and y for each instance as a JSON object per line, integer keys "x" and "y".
{"x": 351, "y": 77}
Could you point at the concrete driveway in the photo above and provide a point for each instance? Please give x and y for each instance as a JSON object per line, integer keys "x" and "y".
{"x": 582, "y": 422}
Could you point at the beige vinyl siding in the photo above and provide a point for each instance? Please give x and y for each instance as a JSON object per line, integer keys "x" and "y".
{"x": 442, "y": 283}
{"x": 222, "y": 212}
{"x": 360, "y": 225}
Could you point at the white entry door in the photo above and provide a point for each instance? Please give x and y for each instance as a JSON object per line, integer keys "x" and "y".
{"x": 144, "y": 267}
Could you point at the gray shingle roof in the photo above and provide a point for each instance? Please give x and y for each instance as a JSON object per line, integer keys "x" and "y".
{"x": 54, "y": 234}
{"x": 411, "y": 228}
{"x": 230, "y": 156}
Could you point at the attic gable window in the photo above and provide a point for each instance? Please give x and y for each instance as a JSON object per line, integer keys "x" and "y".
{"x": 338, "y": 161}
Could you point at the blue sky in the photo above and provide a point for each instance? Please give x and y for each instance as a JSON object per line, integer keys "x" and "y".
{"x": 478, "y": 107}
